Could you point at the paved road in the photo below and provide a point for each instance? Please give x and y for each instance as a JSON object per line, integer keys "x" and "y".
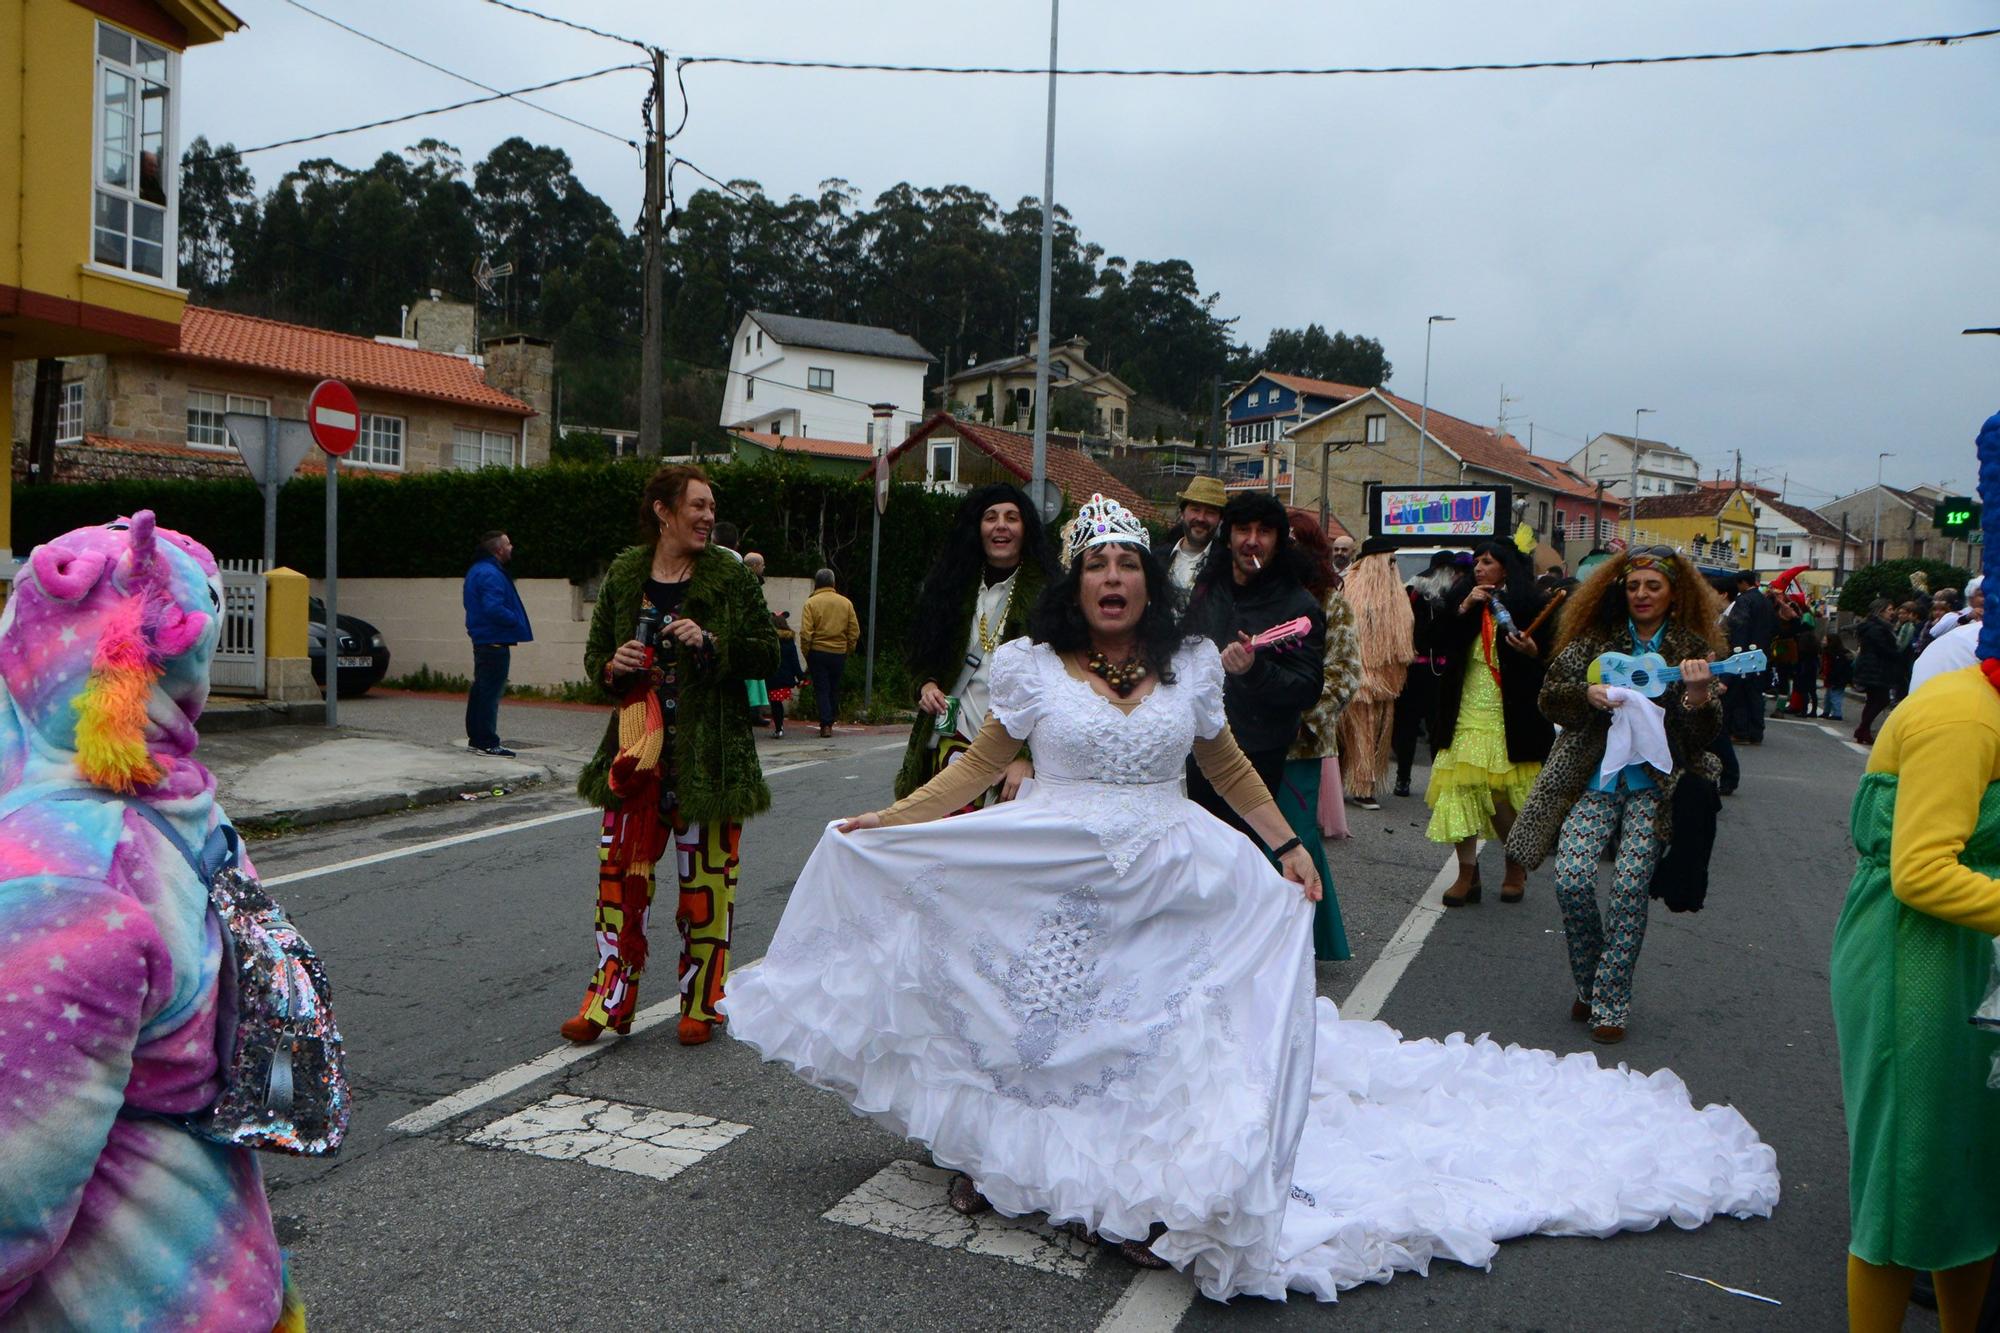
{"x": 739, "y": 1198}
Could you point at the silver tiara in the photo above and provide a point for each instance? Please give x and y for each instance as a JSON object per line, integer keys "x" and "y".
{"x": 1100, "y": 523}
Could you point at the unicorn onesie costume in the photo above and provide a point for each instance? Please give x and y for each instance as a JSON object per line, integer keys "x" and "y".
{"x": 112, "y": 1215}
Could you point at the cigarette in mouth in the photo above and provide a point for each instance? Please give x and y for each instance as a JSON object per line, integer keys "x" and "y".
{"x": 1255, "y": 563}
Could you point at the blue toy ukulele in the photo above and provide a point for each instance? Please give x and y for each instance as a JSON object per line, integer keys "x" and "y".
{"x": 1651, "y": 674}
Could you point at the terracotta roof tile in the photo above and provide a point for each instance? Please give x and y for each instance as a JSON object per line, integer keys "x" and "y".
{"x": 226, "y": 338}
{"x": 1075, "y": 473}
{"x": 844, "y": 450}
{"x": 1322, "y": 388}
{"x": 1704, "y": 503}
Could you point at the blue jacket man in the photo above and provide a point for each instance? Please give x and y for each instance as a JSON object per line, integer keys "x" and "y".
{"x": 495, "y": 621}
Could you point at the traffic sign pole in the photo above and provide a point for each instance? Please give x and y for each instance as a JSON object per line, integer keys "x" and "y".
{"x": 270, "y": 488}
{"x": 335, "y": 421}
{"x": 332, "y": 590}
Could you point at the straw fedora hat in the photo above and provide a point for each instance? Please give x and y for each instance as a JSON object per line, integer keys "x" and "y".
{"x": 1205, "y": 491}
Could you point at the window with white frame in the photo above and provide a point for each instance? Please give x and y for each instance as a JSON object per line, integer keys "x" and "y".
{"x": 205, "y": 410}
{"x": 474, "y": 449}
{"x": 1377, "y": 428}
{"x": 69, "y": 413}
{"x": 819, "y": 379}
{"x": 943, "y": 462}
{"x": 760, "y": 340}
{"x": 749, "y": 388}
{"x": 1256, "y": 397}
{"x": 136, "y": 163}
{"x": 381, "y": 442}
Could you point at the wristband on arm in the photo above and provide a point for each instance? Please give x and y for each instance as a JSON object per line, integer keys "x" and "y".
{"x": 1289, "y": 844}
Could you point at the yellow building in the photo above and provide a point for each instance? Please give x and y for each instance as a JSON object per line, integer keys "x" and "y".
{"x": 90, "y": 98}
{"x": 1716, "y": 527}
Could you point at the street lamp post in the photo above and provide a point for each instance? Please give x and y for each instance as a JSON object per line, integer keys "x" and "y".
{"x": 1875, "y": 538}
{"x": 1424, "y": 416}
{"x": 1039, "y": 470}
{"x": 1632, "y": 478}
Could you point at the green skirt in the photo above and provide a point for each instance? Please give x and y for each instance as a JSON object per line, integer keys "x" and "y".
{"x": 1298, "y": 801}
{"x": 1923, "y": 1129}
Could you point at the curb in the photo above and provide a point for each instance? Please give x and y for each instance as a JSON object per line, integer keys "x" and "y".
{"x": 362, "y": 807}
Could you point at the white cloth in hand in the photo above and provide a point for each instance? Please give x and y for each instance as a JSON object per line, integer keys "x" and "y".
{"x": 1638, "y": 734}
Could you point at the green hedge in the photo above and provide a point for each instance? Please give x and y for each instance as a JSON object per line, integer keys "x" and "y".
{"x": 567, "y": 521}
{"x": 1891, "y": 579}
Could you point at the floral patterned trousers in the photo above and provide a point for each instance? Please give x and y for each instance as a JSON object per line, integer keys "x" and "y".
{"x": 1603, "y": 951}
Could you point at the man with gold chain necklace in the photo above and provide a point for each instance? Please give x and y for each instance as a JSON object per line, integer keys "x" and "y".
{"x": 975, "y": 598}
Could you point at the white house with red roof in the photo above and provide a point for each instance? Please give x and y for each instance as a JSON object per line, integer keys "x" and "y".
{"x": 159, "y": 413}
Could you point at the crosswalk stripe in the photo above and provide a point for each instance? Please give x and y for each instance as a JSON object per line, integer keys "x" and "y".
{"x": 617, "y": 1136}
{"x": 906, "y": 1200}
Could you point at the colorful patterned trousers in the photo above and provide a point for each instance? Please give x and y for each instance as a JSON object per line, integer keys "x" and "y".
{"x": 1603, "y": 952}
{"x": 706, "y": 859}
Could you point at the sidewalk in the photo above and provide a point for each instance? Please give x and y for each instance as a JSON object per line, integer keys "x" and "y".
{"x": 395, "y": 750}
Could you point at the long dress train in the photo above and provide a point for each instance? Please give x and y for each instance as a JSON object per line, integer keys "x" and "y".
{"x": 1097, "y": 1001}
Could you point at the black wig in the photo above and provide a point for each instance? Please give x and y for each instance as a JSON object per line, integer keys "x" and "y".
{"x": 1208, "y": 608}
{"x": 1057, "y": 619}
{"x": 1517, "y": 589}
{"x": 938, "y": 633}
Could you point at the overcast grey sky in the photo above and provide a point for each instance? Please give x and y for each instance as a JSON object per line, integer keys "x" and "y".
{"x": 1777, "y": 255}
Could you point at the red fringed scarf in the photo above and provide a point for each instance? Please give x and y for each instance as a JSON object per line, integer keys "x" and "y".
{"x": 1486, "y": 629}
{"x": 638, "y": 835}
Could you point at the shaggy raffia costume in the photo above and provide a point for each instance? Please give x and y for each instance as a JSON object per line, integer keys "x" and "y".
{"x": 1383, "y": 623}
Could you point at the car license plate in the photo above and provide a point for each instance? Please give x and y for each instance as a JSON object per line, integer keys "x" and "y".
{"x": 356, "y": 663}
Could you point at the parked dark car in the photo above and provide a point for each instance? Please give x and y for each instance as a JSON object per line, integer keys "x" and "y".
{"x": 364, "y": 656}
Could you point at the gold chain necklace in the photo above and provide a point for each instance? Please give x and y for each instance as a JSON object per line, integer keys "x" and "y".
{"x": 988, "y": 644}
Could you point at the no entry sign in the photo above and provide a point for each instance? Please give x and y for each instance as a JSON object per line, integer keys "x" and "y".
{"x": 333, "y": 417}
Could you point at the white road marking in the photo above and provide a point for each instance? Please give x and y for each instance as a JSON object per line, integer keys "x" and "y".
{"x": 906, "y": 1200}
{"x": 521, "y": 1075}
{"x": 1372, "y": 991}
{"x": 438, "y": 844}
{"x": 614, "y": 1135}
{"x": 1155, "y": 1300}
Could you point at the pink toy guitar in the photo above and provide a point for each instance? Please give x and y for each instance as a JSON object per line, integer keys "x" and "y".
{"x": 1282, "y": 636}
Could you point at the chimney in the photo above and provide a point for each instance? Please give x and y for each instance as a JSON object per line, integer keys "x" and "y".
{"x": 526, "y": 368}
{"x": 437, "y": 325}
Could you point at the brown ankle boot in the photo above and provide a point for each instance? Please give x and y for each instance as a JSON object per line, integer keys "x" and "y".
{"x": 1514, "y": 883}
{"x": 1464, "y": 889}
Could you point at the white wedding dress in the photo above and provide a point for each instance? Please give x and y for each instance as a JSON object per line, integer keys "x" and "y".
{"x": 1097, "y": 1001}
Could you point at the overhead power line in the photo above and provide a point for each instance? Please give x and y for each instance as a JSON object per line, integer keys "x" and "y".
{"x": 462, "y": 78}
{"x": 570, "y": 23}
{"x": 1324, "y": 71}
{"x": 414, "y": 115}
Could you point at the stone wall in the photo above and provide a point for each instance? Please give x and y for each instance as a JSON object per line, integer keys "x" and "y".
{"x": 423, "y": 621}
{"x": 526, "y": 368}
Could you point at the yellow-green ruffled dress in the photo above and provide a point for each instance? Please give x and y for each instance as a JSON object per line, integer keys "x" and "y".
{"x": 1474, "y": 769}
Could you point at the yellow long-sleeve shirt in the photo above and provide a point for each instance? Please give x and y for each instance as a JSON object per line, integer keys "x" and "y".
{"x": 1943, "y": 743}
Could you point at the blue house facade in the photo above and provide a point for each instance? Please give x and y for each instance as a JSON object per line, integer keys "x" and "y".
{"x": 1257, "y": 415}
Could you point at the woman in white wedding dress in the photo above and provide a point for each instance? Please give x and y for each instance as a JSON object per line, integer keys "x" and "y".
{"x": 1097, "y": 1000}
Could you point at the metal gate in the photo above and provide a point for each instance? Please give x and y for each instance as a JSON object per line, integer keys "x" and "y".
{"x": 239, "y": 657}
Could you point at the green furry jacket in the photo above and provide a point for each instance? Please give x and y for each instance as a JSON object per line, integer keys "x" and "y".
{"x": 715, "y": 748}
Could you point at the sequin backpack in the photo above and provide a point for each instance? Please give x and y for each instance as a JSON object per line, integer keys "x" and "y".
{"x": 284, "y": 1078}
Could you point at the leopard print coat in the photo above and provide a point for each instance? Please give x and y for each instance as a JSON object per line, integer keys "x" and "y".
{"x": 1579, "y": 750}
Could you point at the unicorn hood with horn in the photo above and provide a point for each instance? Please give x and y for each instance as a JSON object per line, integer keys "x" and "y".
{"x": 112, "y": 1214}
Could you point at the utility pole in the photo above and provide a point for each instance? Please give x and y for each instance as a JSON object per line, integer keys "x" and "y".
{"x": 1424, "y": 413}
{"x": 650, "y": 444}
{"x": 1597, "y": 537}
{"x": 1739, "y": 469}
{"x": 1040, "y": 471}
{"x": 1632, "y": 482}
{"x": 1840, "y": 553}
{"x": 1215, "y": 426}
